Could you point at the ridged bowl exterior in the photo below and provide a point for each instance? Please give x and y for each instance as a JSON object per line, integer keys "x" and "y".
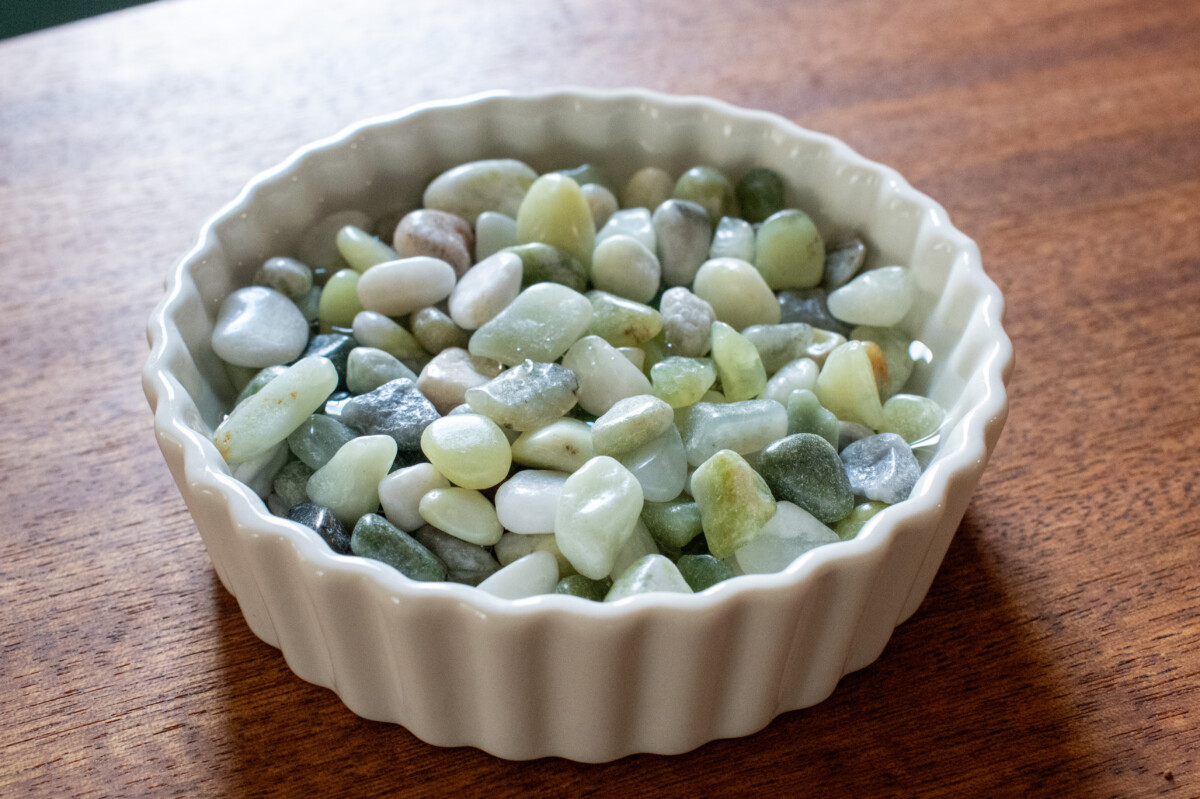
{"x": 554, "y": 675}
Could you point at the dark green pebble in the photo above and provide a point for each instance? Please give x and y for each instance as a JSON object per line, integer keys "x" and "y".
{"x": 376, "y": 538}
{"x": 326, "y": 525}
{"x": 703, "y": 571}
{"x": 760, "y": 193}
{"x": 584, "y": 587}
{"x": 291, "y": 483}
{"x": 805, "y": 469}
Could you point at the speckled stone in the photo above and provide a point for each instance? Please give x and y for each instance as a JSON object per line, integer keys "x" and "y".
{"x": 526, "y": 397}
{"x": 465, "y": 562}
{"x": 376, "y": 538}
{"x": 881, "y": 467}
{"x": 703, "y": 571}
{"x": 397, "y": 409}
{"x": 805, "y": 469}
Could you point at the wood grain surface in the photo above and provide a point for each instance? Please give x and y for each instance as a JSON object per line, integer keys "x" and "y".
{"x": 1058, "y": 652}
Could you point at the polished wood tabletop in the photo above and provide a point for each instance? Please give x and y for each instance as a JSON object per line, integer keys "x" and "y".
{"x": 1058, "y": 651}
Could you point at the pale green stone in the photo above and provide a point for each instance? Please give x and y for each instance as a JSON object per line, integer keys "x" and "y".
{"x": 660, "y": 465}
{"x": 630, "y": 423}
{"x": 309, "y": 304}
{"x": 672, "y": 524}
{"x": 738, "y": 294}
{"x": 470, "y": 189}
{"x": 622, "y": 322}
{"x": 648, "y": 188}
{"x": 791, "y": 533}
{"x": 650, "y": 574}
{"x": 362, "y": 250}
{"x": 880, "y": 297}
{"x": 681, "y": 382}
{"x": 847, "y": 386}
{"x": 896, "y": 351}
{"x": 349, "y": 483}
{"x": 635, "y": 355}
{"x": 270, "y": 415}
{"x": 800, "y": 374}
{"x": 605, "y": 375}
{"x": 493, "y": 232}
{"x": 733, "y": 238}
{"x": 470, "y": 450}
{"x": 789, "y": 251}
{"x": 540, "y": 324}
{"x": 636, "y": 223}
{"x": 850, "y": 526}
{"x": 656, "y": 351}
{"x": 779, "y": 345}
{"x": 286, "y": 275}
{"x": 318, "y": 245}
{"x": 708, "y": 187}
{"x": 290, "y": 483}
{"x": 738, "y": 364}
{"x": 597, "y": 510}
{"x": 734, "y": 502}
{"x": 806, "y": 415}
{"x": 532, "y": 575}
{"x": 258, "y": 472}
{"x": 743, "y": 427}
{"x": 376, "y": 538}
{"x": 545, "y": 263}
{"x": 339, "y": 301}
{"x": 637, "y": 546}
{"x": 526, "y": 397}
{"x": 435, "y": 331}
{"x": 513, "y": 546}
{"x": 565, "y": 445}
{"x": 368, "y": 368}
{"x": 601, "y": 201}
{"x": 912, "y": 417}
{"x": 463, "y": 513}
{"x": 823, "y": 343}
{"x": 373, "y": 329}
{"x": 318, "y": 438}
{"x": 555, "y": 212}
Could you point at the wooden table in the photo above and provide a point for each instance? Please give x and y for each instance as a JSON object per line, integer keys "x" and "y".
{"x": 1058, "y": 652}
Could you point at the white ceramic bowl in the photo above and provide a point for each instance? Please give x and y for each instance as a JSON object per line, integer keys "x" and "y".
{"x": 555, "y": 675}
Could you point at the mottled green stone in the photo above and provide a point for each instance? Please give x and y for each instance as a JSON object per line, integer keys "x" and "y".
{"x": 703, "y": 571}
{"x": 672, "y": 524}
{"x": 583, "y": 587}
{"x": 544, "y": 263}
{"x": 805, "y": 469}
{"x": 709, "y": 188}
{"x": 622, "y": 322}
{"x": 291, "y": 483}
{"x": 734, "y": 502}
{"x": 789, "y": 252}
{"x": 682, "y": 381}
{"x": 849, "y": 527}
{"x": 807, "y": 415}
{"x": 376, "y": 538}
{"x": 911, "y": 417}
{"x": 316, "y": 441}
{"x": 738, "y": 364}
{"x": 760, "y": 193}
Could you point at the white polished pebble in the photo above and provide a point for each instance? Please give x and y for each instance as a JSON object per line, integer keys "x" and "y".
{"x": 257, "y": 326}
{"x": 744, "y": 427}
{"x": 633, "y": 222}
{"x": 349, "y": 483}
{"x": 684, "y": 234}
{"x": 624, "y": 266}
{"x": 494, "y": 232}
{"x": 660, "y": 466}
{"x": 739, "y": 295}
{"x": 605, "y": 375}
{"x": 597, "y": 510}
{"x": 463, "y": 513}
{"x": 527, "y": 502}
{"x": 639, "y": 544}
{"x": 799, "y": 374}
{"x": 485, "y": 290}
{"x": 564, "y": 446}
{"x": 399, "y": 287}
{"x": 733, "y": 238}
{"x": 879, "y": 297}
{"x": 540, "y": 324}
{"x": 790, "y": 533}
{"x": 652, "y": 573}
{"x": 472, "y": 188}
{"x": 446, "y": 379}
{"x": 401, "y": 491}
{"x": 513, "y": 546}
{"x": 687, "y": 322}
{"x": 531, "y": 575}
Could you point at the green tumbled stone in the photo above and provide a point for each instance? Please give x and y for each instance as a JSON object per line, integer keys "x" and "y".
{"x": 911, "y": 417}
{"x": 368, "y": 368}
{"x": 789, "y": 251}
{"x": 317, "y": 439}
{"x": 703, "y": 571}
{"x": 339, "y": 301}
{"x": 463, "y": 513}
{"x": 681, "y": 382}
{"x": 849, "y": 527}
{"x": 435, "y": 331}
{"x": 650, "y": 574}
{"x": 555, "y": 212}
{"x": 807, "y": 415}
{"x": 526, "y": 397}
{"x": 629, "y": 423}
{"x": 291, "y": 483}
{"x": 759, "y": 194}
{"x": 259, "y": 380}
{"x": 622, "y": 322}
{"x": 805, "y": 469}
{"x": 672, "y": 524}
{"x": 708, "y": 187}
{"x": 583, "y": 587}
{"x": 848, "y": 386}
{"x": 895, "y": 345}
{"x": 544, "y": 263}
{"x": 376, "y": 538}
{"x": 349, "y": 483}
{"x": 779, "y": 345}
{"x": 373, "y": 329}
{"x": 734, "y": 501}
{"x": 362, "y": 250}
{"x": 738, "y": 364}
{"x": 541, "y": 324}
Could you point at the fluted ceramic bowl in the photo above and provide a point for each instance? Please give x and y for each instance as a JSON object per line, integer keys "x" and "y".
{"x": 556, "y": 675}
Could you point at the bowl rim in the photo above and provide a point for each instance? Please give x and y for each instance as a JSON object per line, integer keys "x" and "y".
{"x": 167, "y": 395}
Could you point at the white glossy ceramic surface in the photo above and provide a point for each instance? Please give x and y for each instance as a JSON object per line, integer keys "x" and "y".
{"x": 554, "y": 675}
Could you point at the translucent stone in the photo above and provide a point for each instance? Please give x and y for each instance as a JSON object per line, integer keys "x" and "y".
{"x": 597, "y": 510}
{"x": 470, "y": 189}
{"x": 368, "y": 368}
{"x": 743, "y": 427}
{"x": 532, "y": 575}
{"x": 605, "y": 375}
{"x": 734, "y": 502}
{"x": 339, "y": 301}
{"x": 793, "y": 532}
{"x": 373, "y": 329}
{"x": 912, "y": 417}
{"x": 260, "y": 379}
{"x": 376, "y": 538}
{"x": 540, "y": 324}
{"x": 823, "y": 343}
{"x": 806, "y": 415}
{"x": 734, "y": 238}
{"x": 850, "y": 526}
{"x": 737, "y": 293}
{"x": 471, "y": 451}
{"x": 800, "y": 374}
{"x": 789, "y": 252}
{"x": 493, "y": 233}
{"x": 436, "y": 332}
{"x": 309, "y": 304}
{"x": 401, "y": 491}
{"x": 269, "y": 416}
{"x": 258, "y": 472}
{"x": 879, "y": 297}
{"x": 687, "y": 322}
{"x": 349, "y": 483}
{"x": 624, "y": 266}
{"x": 709, "y": 188}
{"x": 362, "y": 250}
{"x": 633, "y": 222}
{"x": 672, "y": 524}
{"x": 779, "y": 345}
{"x": 660, "y": 465}
{"x": 527, "y": 502}
{"x": 318, "y": 245}
{"x": 485, "y": 290}
{"x": 544, "y": 263}
{"x": 896, "y": 346}
{"x": 514, "y": 546}
{"x": 881, "y": 467}
{"x": 635, "y": 355}
{"x": 683, "y": 233}
{"x": 463, "y": 513}
{"x": 842, "y": 262}
{"x": 465, "y": 562}
{"x": 396, "y": 409}
{"x": 565, "y": 445}
{"x": 703, "y": 571}
{"x": 316, "y": 440}
{"x": 399, "y": 287}
{"x": 583, "y": 587}
{"x": 622, "y": 322}
{"x": 446, "y": 378}
{"x": 653, "y": 573}
{"x": 739, "y": 367}
{"x": 257, "y": 327}
{"x": 681, "y": 382}
{"x": 805, "y": 469}
{"x": 649, "y": 187}
{"x": 436, "y": 234}
{"x": 323, "y": 523}
{"x": 630, "y": 423}
{"x": 847, "y": 385}
{"x": 809, "y": 306}
{"x": 555, "y": 212}
{"x": 601, "y": 202}
{"x": 637, "y": 546}
{"x": 760, "y": 194}
{"x": 526, "y": 397}
{"x": 286, "y": 275}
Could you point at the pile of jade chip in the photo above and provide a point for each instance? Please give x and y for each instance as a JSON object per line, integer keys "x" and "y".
{"x": 532, "y": 387}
